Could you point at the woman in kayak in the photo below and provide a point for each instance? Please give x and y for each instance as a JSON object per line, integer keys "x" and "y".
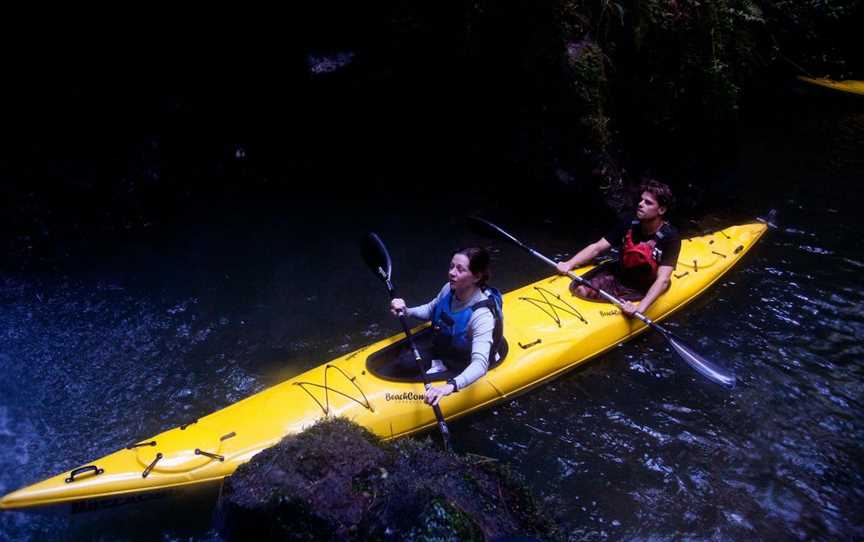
{"x": 466, "y": 318}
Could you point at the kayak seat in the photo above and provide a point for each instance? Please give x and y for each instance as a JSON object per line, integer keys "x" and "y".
{"x": 396, "y": 362}
{"x": 606, "y": 265}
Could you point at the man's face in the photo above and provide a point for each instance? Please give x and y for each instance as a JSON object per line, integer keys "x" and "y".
{"x": 648, "y": 208}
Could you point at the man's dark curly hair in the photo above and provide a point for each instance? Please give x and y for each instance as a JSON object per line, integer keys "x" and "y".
{"x": 661, "y": 192}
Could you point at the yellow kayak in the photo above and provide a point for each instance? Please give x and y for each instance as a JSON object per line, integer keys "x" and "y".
{"x": 548, "y": 332}
{"x": 850, "y": 85}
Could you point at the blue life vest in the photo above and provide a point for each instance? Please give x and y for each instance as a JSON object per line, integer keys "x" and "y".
{"x": 452, "y": 338}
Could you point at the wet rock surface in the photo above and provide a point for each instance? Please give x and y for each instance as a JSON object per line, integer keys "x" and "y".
{"x": 336, "y": 481}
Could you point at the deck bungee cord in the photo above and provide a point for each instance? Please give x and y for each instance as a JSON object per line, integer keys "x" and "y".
{"x": 545, "y": 302}
{"x": 327, "y": 389}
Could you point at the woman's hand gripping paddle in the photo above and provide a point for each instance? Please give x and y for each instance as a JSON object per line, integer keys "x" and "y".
{"x": 703, "y": 366}
{"x": 378, "y": 259}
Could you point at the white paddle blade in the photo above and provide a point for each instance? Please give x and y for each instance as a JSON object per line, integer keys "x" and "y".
{"x": 703, "y": 366}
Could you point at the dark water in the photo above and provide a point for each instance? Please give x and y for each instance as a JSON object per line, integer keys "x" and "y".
{"x": 142, "y": 336}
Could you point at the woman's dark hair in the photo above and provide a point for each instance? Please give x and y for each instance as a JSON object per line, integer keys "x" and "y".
{"x": 478, "y": 263}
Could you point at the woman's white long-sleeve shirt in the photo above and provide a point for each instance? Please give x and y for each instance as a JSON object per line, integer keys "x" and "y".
{"x": 480, "y": 327}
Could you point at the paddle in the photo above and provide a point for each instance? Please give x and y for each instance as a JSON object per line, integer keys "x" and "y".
{"x": 378, "y": 259}
{"x": 705, "y": 367}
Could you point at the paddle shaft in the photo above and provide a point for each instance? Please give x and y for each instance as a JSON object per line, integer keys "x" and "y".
{"x": 605, "y": 295}
{"x": 418, "y": 359}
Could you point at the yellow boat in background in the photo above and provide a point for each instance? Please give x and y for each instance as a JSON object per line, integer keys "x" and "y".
{"x": 548, "y": 332}
{"x": 850, "y": 85}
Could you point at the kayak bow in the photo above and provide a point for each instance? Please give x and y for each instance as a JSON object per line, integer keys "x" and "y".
{"x": 850, "y": 86}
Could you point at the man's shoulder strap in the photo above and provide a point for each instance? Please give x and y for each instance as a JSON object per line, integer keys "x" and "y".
{"x": 665, "y": 230}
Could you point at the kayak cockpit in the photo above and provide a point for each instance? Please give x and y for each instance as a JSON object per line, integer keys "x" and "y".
{"x": 396, "y": 361}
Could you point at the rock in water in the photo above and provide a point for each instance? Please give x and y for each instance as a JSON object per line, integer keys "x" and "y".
{"x": 337, "y": 481}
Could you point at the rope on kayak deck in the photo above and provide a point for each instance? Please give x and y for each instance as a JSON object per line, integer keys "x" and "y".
{"x": 354, "y": 354}
{"x": 542, "y": 304}
{"x": 326, "y": 407}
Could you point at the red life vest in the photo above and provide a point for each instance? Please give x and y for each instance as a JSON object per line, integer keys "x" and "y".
{"x": 638, "y": 258}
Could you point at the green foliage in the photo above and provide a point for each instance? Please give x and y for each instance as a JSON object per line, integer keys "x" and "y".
{"x": 694, "y": 56}
{"x": 676, "y": 70}
{"x": 587, "y": 77}
{"x": 818, "y": 36}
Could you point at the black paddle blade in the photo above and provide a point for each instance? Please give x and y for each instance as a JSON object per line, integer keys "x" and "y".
{"x": 376, "y": 257}
{"x": 703, "y": 366}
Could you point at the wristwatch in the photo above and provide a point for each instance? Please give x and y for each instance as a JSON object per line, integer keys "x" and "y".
{"x": 453, "y": 383}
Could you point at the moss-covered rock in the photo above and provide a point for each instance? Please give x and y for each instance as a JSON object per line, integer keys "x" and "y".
{"x": 335, "y": 481}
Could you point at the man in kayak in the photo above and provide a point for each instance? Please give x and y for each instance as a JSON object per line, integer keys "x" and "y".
{"x": 648, "y": 246}
{"x": 467, "y": 321}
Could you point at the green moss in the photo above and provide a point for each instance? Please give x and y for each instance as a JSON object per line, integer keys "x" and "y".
{"x": 341, "y": 482}
{"x": 441, "y": 521}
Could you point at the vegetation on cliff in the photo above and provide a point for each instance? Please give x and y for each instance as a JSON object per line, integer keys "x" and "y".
{"x": 585, "y": 96}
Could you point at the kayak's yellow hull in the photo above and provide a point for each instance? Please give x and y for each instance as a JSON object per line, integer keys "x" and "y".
{"x": 850, "y": 85}
{"x": 548, "y": 330}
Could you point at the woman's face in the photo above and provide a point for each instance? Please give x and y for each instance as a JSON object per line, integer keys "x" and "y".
{"x": 460, "y": 276}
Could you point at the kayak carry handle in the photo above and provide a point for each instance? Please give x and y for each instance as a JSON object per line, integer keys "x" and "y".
{"x": 81, "y": 470}
{"x": 208, "y": 454}
{"x": 151, "y": 443}
{"x": 149, "y": 468}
